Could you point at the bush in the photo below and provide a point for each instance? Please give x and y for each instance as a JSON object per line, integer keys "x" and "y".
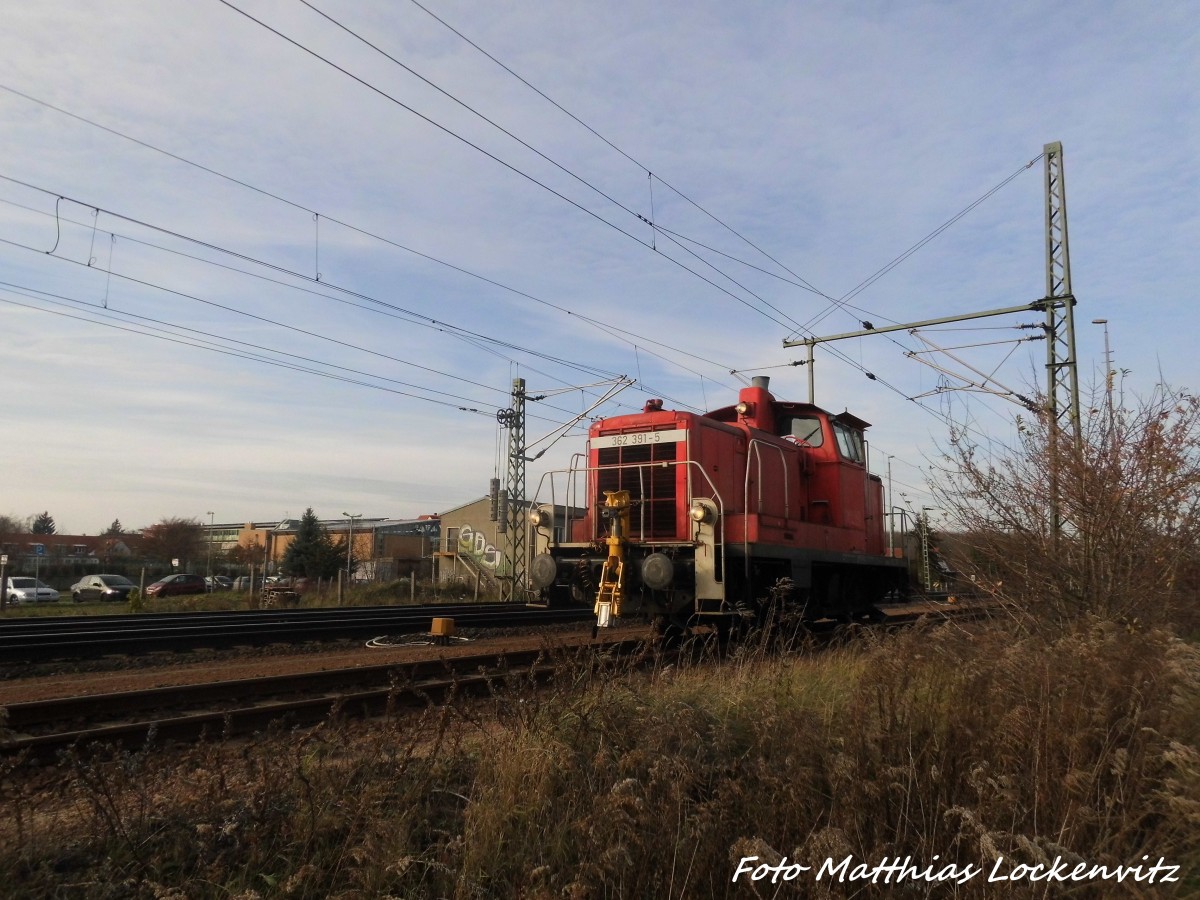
{"x": 1129, "y": 498}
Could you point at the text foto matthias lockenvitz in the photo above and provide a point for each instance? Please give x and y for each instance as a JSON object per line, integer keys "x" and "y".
{"x": 897, "y": 871}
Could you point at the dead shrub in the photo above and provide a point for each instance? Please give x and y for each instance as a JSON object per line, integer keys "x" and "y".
{"x": 1129, "y": 499}
{"x": 632, "y": 783}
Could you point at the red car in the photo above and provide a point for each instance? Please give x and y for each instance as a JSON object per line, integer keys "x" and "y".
{"x": 174, "y": 585}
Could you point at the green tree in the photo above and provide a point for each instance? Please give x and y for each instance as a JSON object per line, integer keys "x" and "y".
{"x": 114, "y": 529}
{"x": 43, "y": 523}
{"x": 312, "y": 553}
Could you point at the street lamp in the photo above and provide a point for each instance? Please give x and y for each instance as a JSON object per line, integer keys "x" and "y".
{"x": 891, "y": 524}
{"x": 208, "y": 574}
{"x": 1108, "y": 369}
{"x": 350, "y": 543}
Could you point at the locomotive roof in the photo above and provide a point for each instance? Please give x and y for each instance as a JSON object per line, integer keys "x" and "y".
{"x": 729, "y": 413}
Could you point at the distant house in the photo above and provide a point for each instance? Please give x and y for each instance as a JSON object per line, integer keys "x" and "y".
{"x": 65, "y": 553}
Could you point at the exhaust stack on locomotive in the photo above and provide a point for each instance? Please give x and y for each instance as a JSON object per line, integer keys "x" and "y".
{"x": 694, "y": 518}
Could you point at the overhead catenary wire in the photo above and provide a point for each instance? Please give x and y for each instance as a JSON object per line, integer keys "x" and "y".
{"x": 605, "y": 327}
{"x": 204, "y": 345}
{"x": 450, "y": 132}
{"x": 414, "y": 317}
{"x": 835, "y": 303}
{"x": 897, "y": 260}
{"x": 539, "y": 153}
{"x": 621, "y": 334}
{"x": 247, "y": 355}
{"x": 249, "y": 346}
{"x": 860, "y": 367}
{"x": 410, "y": 109}
{"x": 650, "y": 174}
{"x": 650, "y": 221}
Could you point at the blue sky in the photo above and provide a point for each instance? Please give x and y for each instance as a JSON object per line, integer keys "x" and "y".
{"x": 832, "y": 136}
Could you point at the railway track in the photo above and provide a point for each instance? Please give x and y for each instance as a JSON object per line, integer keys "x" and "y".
{"x": 80, "y": 637}
{"x": 41, "y": 729}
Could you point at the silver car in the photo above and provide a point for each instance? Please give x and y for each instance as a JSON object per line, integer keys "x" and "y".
{"x": 102, "y": 587}
{"x": 20, "y": 589}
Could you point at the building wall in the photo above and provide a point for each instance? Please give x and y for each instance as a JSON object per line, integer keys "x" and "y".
{"x": 472, "y": 542}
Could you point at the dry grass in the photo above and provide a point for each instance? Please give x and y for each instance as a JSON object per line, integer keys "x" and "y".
{"x": 613, "y": 783}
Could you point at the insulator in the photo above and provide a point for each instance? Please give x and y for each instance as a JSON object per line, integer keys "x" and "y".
{"x": 494, "y": 497}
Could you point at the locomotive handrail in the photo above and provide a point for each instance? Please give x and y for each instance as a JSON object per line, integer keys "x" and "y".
{"x": 755, "y": 444}
{"x": 573, "y": 473}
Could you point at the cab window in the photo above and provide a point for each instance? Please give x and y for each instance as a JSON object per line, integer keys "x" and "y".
{"x": 803, "y": 430}
{"x": 849, "y": 442}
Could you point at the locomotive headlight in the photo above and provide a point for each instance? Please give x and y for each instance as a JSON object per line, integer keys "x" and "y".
{"x": 744, "y": 408}
{"x": 702, "y": 512}
{"x": 541, "y": 517}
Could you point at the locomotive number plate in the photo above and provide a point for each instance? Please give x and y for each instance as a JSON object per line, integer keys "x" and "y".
{"x": 638, "y": 438}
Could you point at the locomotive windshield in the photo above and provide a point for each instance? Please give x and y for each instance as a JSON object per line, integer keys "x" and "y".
{"x": 849, "y": 442}
{"x": 803, "y": 430}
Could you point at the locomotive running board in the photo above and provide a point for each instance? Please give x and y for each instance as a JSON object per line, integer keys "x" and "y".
{"x": 714, "y": 607}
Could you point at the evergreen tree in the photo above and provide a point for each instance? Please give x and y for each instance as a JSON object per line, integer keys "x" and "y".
{"x": 114, "y": 529}
{"x": 43, "y": 523}
{"x": 312, "y": 553}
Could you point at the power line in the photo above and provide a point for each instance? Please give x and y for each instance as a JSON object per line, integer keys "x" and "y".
{"x": 553, "y": 162}
{"x": 473, "y": 338}
{"x": 497, "y": 159}
{"x": 446, "y": 327}
{"x": 279, "y": 324}
{"x": 840, "y": 303}
{"x": 627, "y": 156}
{"x": 614, "y": 331}
{"x": 207, "y": 345}
{"x": 460, "y": 333}
{"x": 879, "y": 273}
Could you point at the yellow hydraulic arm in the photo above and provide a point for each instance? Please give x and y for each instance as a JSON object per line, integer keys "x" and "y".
{"x": 612, "y": 576}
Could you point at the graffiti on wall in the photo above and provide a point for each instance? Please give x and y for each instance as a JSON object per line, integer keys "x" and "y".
{"x": 475, "y": 546}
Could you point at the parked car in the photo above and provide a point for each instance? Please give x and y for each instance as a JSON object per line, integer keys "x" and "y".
{"x": 177, "y": 584}
{"x": 20, "y": 589}
{"x": 219, "y": 583}
{"x": 102, "y": 587}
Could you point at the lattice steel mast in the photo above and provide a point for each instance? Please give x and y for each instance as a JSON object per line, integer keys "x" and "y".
{"x": 513, "y": 519}
{"x": 1062, "y": 375}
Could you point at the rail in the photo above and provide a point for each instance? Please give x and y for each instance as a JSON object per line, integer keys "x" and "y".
{"x": 42, "y": 640}
{"x": 41, "y": 729}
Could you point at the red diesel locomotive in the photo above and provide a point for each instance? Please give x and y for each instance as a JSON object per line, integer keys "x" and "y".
{"x": 697, "y": 519}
